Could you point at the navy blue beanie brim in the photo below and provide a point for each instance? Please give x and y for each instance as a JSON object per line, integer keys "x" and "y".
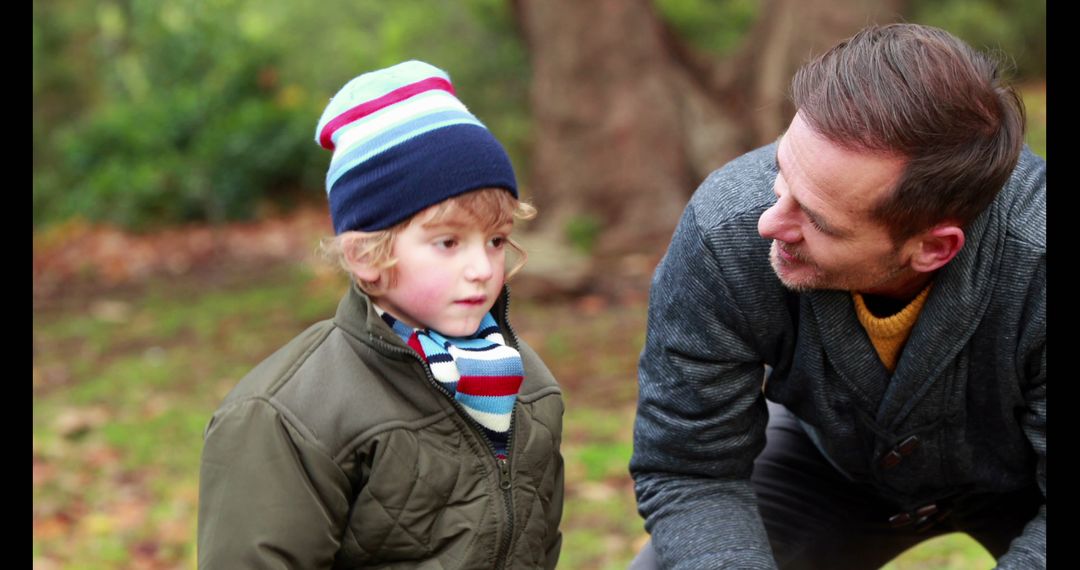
{"x": 407, "y": 178}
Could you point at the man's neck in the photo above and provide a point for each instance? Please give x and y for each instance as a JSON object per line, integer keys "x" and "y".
{"x": 883, "y": 307}
{"x": 899, "y": 291}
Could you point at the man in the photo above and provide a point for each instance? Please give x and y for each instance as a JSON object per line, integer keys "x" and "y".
{"x": 877, "y": 275}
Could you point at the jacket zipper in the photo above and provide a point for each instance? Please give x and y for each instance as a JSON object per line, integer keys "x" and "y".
{"x": 505, "y": 482}
{"x": 506, "y": 485}
{"x": 502, "y": 465}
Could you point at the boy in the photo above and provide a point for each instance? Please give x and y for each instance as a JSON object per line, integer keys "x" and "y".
{"x": 414, "y": 429}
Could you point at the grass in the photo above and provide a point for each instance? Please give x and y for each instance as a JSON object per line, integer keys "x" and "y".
{"x": 955, "y": 550}
{"x": 123, "y": 389}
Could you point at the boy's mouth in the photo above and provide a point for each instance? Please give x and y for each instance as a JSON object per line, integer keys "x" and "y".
{"x": 472, "y": 301}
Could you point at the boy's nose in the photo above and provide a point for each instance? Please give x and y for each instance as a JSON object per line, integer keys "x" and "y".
{"x": 479, "y": 266}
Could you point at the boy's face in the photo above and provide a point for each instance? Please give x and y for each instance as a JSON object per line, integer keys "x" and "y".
{"x": 449, "y": 273}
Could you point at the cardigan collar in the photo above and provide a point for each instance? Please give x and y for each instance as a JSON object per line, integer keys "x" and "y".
{"x": 956, "y": 304}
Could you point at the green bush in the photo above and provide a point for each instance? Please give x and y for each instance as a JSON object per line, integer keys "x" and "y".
{"x": 1015, "y": 29}
{"x": 148, "y": 113}
{"x": 715, "y": 26}
{"x": 182, "y": 155}
{"x": 582, "y": 232}
{"x": 184, "y": 120}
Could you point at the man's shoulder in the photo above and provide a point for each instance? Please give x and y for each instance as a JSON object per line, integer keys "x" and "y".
{"x": 1023, "y": 201}
{"x": 740, "y": 188}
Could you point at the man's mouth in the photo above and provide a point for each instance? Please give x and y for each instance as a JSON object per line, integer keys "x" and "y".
{"x": 785, "y": 255}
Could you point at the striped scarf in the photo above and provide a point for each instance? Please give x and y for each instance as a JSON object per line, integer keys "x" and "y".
{"x": 480, "y": 372}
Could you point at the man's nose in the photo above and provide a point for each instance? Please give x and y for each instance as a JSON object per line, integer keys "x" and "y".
{"x": 780, "y": 222}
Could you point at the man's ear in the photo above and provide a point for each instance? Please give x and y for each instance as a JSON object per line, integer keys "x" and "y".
{"x": 936, "y": 247}
{"x": 359, "y": 266}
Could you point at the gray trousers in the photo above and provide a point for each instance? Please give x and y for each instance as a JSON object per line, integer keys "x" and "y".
{"x": 818, "y": 519}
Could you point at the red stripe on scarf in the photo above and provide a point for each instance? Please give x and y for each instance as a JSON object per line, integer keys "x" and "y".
{"x": 414, "y": 343}
{"x": 365, "y": 109}
{"x": 489, "y": 385}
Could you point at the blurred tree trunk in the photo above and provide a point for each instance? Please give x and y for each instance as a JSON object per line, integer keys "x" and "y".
{"x": 629, "y": 119}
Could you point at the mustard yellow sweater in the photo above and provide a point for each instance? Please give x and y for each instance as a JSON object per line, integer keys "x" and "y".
{"x": 889, "y": 334}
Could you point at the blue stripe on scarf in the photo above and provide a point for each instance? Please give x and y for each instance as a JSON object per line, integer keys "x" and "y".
{"x": 500, "y": 367}
{"x": 489, "y": 404}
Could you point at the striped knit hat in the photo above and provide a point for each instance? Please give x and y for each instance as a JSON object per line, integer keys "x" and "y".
{"x": 402, "y": 142}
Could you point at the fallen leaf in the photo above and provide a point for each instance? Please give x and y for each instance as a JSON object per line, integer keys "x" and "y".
{"x": 129, "y": 514}
{"x": 51, "y": 527}
{"x": 100, "y": 455}
{"x": 97, "y": 524}
{"x": 74, "y": 422}
{"x": 41, "y": 563}
{"x": 50, "y": 376}
{"x": 176, "y": 531}
{"x": 596, "y": 492}
{"x": 591, "y": 305}
{"x": 111, "y": 311}
{"x": 43, "y": 471}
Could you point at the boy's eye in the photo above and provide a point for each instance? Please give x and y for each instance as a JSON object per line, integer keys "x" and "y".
{"x": 497, "y": 241}
{"x": 447, "y": 243}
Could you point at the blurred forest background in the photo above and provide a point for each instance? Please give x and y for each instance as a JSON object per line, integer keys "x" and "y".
{"x": 178, "y": 201}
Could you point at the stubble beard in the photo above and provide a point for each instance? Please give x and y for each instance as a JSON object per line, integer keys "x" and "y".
{"x": 779, "y": 266}
{"x": 819, "y": 279}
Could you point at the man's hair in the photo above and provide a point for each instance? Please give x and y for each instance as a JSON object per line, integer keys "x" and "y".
{"x": 489, "y": 208}
{"x": 920, "y": 93}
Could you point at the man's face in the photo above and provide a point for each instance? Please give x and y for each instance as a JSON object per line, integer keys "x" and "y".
{"x": 823, "y": 236}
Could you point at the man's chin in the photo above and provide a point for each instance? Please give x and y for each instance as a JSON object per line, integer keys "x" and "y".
{"x": 796, "y": 286}
{"x": 790, "y": 276}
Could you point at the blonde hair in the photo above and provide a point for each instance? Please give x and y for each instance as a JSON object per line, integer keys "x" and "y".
{"x": 489, "y": 208}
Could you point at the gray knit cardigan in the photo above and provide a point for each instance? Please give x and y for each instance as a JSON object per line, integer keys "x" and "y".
{"x": 970, "y": 383}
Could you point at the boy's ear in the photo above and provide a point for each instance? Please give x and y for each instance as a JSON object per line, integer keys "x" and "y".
{"x": 359, "y": 266}
{"x": 936, "y": 247}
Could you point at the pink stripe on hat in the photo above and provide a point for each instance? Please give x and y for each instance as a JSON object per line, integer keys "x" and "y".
{"x": 369, "y": 107}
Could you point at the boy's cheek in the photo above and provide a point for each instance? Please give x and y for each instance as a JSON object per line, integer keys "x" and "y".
{"x": 421, "y": 299}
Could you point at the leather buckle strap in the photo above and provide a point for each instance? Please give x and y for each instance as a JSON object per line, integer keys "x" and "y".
{"x": 923, "y": 518}
{"x": 899, "y": 452}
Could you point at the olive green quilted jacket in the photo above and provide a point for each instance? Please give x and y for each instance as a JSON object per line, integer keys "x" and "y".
{"x": 339, "y": 451}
